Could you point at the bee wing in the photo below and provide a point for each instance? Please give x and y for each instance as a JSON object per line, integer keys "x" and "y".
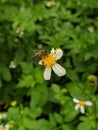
{"x": 40, "y": 54}
{"x": 36, "y": 54}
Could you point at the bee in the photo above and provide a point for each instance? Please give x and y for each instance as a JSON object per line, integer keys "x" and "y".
{"x": 40, "y": 54}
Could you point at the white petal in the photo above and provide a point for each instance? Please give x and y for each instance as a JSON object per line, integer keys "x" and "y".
{"x": 7, "y": 126}
{"x": 75, "y": 100}
{"x": 4, "y": 115}
{"x": 88, "y": 103}
{"x": 59, "y": 70}
{"x": 77, "y": 106}
{"x": 40, "y": 62}
{"x": 58, "y": 54}
{"x": 53, "y": 51}
{"x": 1, "y": 126}
{"x": 82, "y": 109}
{"x": 47, "y": 73}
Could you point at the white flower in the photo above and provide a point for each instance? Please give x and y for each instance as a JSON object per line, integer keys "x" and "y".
{"x": 1, "y": 126}
{"x": 91, "y": 29}
{"x": 81, "y": 104}
{"x": 12, "y": 65}
{"x": 50, "y": 3}
{"x": 6, "y": 127}
{"x": 20, "y": 31}
{"x": 2, "y": 116}
{"x": 49, "y": 62}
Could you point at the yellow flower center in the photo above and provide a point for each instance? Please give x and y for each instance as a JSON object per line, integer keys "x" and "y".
{"x": 49, "y": 60}
{"x": 3, "y": 128}
{"x": 82, "y": 102}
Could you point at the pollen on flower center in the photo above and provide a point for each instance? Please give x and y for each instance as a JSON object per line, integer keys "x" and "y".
{"x": 49, "y": 60}
{"x": 82, "y": 102}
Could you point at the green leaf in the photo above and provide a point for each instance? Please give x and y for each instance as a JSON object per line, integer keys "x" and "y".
{"x": 76, "y": 90}
{"x": 26, "y": 81}
{"x": 5, "y": 73}
{"x": 40, "y": 124}
{"x": 56, "y": 88}
{"x": 13, "y": 113}
{"x": 21, "y": 128}
{"x": 28, "y": 123}
{"x": 19, "y": 56}
{"x": 87, "y": 125}
{"x": 58, "y": 118}
{"x": 66, "y": 127}
{"x": 38, "y": 74}
{"x": 68, "y": 110}
{"x": 27, "y": 68}
{"x": 39, "y": 96}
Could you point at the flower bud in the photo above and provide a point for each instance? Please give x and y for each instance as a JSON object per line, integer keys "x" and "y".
{"x": 13, "y": 103}
{"x": 92, "y": 80}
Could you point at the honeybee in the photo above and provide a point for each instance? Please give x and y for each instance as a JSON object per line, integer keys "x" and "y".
{"x": 40, "y": 54}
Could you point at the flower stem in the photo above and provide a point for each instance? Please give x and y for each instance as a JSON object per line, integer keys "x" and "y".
{"x": 95, "y": 110}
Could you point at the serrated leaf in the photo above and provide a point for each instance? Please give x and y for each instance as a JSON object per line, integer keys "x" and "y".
{"x": 39, "y": 96}
{"x": 26, "y": 81}
{"x": 27, "y": 68}
{"x": 87, "y": 125}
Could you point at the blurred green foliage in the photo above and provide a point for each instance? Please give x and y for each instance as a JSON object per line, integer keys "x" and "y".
{"x": 29, "y": 25}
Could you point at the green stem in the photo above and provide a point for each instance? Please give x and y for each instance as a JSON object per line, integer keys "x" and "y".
{"x": 95, "y": 110}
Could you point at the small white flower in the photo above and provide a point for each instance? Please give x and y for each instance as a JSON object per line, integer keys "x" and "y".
{"x": 50, "y": 3}
{"x": 91, "y": 29}
{"x": 49, "y": 62}
{"x": 12, "y": 65}
{"x": 1, "y": 126}
{"x": 5, "y": 127}
{"x": 2, "y": 116}
{"x": 20, "y": 32}
{"x": 81, "y": 105}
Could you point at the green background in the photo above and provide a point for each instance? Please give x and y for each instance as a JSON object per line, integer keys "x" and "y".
{"x": 26, "y": 26}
